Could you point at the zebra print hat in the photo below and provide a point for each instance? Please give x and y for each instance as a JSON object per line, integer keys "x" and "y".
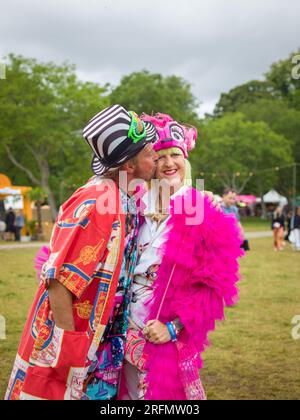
{"x": 115, "y": 136}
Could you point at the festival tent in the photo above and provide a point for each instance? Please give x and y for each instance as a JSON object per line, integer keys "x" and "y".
{"x": 246, "y": 199}
{"x": 273, "y": 197}
{"x": 9, "y": 191}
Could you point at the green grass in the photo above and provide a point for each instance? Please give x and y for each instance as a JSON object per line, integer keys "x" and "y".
{"x": 17, "y": 287}
{"x": 252, "y": 356}
{"x": 254, "y": 224}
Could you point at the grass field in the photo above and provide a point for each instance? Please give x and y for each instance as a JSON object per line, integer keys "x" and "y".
{"x": 253, "y": 355}
{"x": 255, "y": 224}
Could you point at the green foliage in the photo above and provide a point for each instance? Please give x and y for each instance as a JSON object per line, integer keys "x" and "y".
{"x": 151, "y": 93}
{"x": 276, "y": 102}
{"x": 248, "y": 93}
{"x": 282, "y": 76}
{"x": 283, "y": 120}
{"x": 43, "y": 108}
{"x": 233, "y": 148}
{"x": 37, "y": 194}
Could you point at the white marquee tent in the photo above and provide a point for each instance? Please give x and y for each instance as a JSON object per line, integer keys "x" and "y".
{"x": 273, "y": 197}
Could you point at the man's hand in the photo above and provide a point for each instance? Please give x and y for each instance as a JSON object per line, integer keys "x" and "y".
{"x": 61, "y": 304}
{"x": 156, "y": 332}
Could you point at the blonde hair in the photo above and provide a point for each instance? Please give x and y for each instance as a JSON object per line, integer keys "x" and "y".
{"x": 188, "y": 180}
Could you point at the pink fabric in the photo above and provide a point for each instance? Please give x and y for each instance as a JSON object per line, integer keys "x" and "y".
{"x": 247, "y": 199}
{"x": 40, "y": 259}
{"x": 169, "y": 136}
{"x": 204, "y": 281}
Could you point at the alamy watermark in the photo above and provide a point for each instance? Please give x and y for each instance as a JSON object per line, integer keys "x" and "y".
{"x": 2, "y": 328}
{"x": 189, "y": 205}
{"x": 296, "y": 329}
{"x": 296, "y": 69}
{"x": 2, "y": 71}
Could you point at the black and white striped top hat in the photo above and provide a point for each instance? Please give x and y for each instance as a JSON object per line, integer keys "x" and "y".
{"x": 115, "y": 136}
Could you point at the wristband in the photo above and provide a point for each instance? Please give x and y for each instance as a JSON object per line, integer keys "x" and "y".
{"x": 171, "y": 331}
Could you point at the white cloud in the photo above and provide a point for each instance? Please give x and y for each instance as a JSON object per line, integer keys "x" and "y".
{"x": 214, "y": 44}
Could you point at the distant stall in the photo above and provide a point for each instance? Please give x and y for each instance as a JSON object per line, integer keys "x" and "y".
{"x": 246, "y": 199}
{"x": 9, "y": 190}
{"x": 246, "y": 203}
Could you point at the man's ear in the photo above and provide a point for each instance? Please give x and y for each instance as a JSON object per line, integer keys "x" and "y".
{"x": 129, "y": 166}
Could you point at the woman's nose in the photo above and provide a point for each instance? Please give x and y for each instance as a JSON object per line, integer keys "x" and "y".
{"x": 168, "y": 161}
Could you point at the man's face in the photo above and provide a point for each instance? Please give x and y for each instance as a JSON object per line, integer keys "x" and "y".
{"x": 229, "y": 199}
{"x": 145, "y": 163}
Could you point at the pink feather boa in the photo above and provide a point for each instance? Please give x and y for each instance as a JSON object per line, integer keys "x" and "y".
{"x": 204, "y": 282}
{"x": 41, "y": 258}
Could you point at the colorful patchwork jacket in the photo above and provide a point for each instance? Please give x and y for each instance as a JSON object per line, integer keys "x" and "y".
{"x": 87, "y": 248}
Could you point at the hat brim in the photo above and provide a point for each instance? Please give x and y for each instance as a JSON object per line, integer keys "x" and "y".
{"x": 100, "y": 168}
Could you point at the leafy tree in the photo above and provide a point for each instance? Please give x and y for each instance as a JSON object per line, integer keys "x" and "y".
{"x": 283, "y": 120}
{"x": 245, "y": 94}
{"x": 275, "y": 101}
{"x": 151, "y": 93}
{"x": 285, "y": 76}
{"x": 43, "y": 108}
{"x": 233, "y": 151}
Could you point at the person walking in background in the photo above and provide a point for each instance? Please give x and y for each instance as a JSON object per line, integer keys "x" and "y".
{"x": 289, "y": 219}
{"x": 295, "y": 230}
{"x": 19, "y": 224}
{"x": 278, "y": 225}
{"x": 229, "y": 207}
{"x": 229, "y": 203}
{"x": 10, "y": 223}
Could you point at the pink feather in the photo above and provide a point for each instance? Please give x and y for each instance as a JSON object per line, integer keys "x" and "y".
{"x": 162, "y": 123}
{"x": 40, "y": 259}
{"x": 204, "y": 282}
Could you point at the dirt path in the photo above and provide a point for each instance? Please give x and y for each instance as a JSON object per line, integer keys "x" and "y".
{"x": 23, "y": 246}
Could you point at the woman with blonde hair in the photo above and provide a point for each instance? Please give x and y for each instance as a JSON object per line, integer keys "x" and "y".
{"x": 186, "y": 274}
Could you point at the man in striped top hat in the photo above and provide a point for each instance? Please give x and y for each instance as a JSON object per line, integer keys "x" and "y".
{"x": 73, "y": 342}
{"x": 116, "y": 136}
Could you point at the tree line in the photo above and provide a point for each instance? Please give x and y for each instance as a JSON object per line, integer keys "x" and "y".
{"x": 44, "y": 106}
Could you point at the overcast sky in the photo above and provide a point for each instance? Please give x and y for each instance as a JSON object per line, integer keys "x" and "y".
{"x": 214, "y": 44}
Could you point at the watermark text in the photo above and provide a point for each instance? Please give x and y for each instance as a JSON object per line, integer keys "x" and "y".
{"x": 2, "y": 328}
{"x": 2, "y": 71}
{"x": 296, "y": 329}
{"x": 296, "y": 69}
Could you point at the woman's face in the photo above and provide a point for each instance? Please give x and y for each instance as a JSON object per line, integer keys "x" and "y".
{"x": 171, "y": 168}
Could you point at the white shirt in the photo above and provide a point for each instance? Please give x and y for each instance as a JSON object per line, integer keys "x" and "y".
{"x": 150, "y": 240}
